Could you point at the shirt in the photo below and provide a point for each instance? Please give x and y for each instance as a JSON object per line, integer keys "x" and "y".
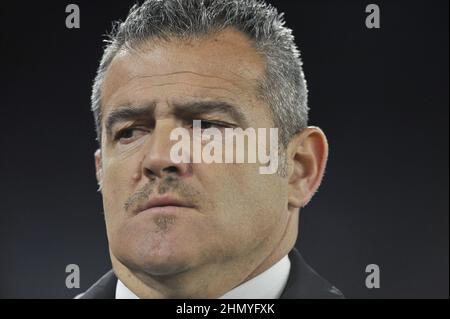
{"x": 269, "y": 284}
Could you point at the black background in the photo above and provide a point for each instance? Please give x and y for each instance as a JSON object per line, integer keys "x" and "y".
{"x": 381, "y": 96}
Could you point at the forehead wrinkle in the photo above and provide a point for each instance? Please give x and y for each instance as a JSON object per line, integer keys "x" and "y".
{"x": 193, "y": 73}
{"x": 192, "y": 85}
{"x": 245, "y": 82}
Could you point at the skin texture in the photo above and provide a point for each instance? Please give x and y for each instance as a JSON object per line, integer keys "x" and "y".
{"x": 241, "y": 222}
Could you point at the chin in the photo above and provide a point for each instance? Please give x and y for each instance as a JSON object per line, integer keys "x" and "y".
{"x": 157, "y": 253}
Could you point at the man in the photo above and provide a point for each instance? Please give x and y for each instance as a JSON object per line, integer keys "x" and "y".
{"x": 203, "y": 230}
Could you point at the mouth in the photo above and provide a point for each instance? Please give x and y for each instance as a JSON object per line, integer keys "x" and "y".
{"x": 163, "y": 204}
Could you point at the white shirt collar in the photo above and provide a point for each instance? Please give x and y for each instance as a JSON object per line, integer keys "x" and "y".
{"x": 122, "y": 291}
{"x": 267, "y": 285}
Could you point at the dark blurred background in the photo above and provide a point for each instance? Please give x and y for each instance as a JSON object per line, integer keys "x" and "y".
{"x": 381, "y": 95}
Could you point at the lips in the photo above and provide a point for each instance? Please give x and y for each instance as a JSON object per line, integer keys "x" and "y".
{"x": 162, "y": 202}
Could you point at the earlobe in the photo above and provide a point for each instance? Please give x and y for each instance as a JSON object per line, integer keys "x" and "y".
{"x": 308, "y": 153}
{"x": 98, "y": 168}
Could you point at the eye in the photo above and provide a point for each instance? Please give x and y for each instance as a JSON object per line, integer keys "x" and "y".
{"x": 129, "y": 135}
{"x": 217, "y": 124}
{"x": 207, "y": 125}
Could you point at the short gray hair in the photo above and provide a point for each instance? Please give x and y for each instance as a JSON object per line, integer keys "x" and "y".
{"x": 282, "y": 87}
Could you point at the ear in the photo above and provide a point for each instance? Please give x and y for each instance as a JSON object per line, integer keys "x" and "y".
{"x": 99, "y": 168}
{"x": 308, "y": 153}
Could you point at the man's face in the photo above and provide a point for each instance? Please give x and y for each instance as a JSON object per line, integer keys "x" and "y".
{"x": 230, "y": 211}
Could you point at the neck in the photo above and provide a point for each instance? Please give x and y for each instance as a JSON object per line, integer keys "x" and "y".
{"x": 210, "y": 280}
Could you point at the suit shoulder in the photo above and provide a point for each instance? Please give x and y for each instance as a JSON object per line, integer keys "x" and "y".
{"x": 305, "y": 283}
{"x": 104, "y": 288}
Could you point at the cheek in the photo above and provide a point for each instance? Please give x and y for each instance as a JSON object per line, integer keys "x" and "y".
{"x": 244, "y": 198}
{"x": 118, "y": 185}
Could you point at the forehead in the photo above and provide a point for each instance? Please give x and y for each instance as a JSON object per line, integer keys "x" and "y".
{"x": 223, "y": 65}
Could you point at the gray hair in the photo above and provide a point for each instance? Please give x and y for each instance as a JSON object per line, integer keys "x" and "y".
{"x": 282, "y": 87}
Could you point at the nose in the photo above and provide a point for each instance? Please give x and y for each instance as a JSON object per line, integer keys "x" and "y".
{"x": 157, "y": 161}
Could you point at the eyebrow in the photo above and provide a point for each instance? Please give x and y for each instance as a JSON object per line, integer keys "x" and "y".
{"x": 185, "y": 110}
{"x": 126, "y": 113}
{"x": 191, "y": 110}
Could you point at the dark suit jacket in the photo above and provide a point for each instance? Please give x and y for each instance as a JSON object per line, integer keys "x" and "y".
{"x": 303, "y": 282}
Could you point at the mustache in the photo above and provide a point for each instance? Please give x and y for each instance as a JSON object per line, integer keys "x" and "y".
{"x": 169, "y": 184}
